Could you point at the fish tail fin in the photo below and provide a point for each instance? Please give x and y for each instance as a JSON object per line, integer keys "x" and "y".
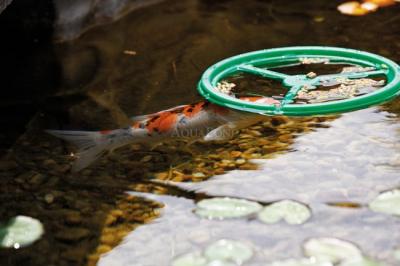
{"x": 91, "y": 145}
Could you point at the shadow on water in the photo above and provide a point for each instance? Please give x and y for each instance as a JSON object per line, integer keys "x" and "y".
{"x": 148, "y": 61}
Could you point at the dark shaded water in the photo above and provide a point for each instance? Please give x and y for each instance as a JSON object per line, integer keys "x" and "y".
{"x": 95, "y": 84}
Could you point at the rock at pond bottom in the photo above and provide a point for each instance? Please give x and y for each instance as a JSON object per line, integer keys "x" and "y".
{"x": 72, "y": 234}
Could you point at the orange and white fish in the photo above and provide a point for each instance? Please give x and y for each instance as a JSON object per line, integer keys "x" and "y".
{"x": 202, "y": 120}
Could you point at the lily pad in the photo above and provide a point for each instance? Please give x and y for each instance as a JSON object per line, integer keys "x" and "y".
{"x": 363, "y": 261}
{"x": 228, "y": 250}
{"x": 221, "y": 263}
{"x": 190, "y": 259}
{"x": 331, "y": 249}
{"x": 301, "y": 262}
{"x": 291, "y": 211}
{"x": 396, "y": 254}
{"x": 223, "y": 208}
{"x": 387, "y": 202}
{"x": 20, "y": 231}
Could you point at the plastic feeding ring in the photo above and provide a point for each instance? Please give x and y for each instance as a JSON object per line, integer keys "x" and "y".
{"x": 267, "y": 63}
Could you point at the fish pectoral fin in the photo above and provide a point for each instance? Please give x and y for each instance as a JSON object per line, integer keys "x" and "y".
{"x": 224, "y": 132}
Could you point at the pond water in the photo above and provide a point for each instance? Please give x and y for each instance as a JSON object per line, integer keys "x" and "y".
{"x": 135, "y": 206}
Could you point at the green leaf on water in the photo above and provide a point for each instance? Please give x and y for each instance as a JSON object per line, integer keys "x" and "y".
{"x": 20, "y": 231}
{"x": 228, "y": 250}
{"x": 396, "y": 254}
{"x": 291, "y": 211}
{"x": 329, "y": 252}
{"x": 223, "y": 208}
{"x": 331, "y": 249}
{"x": 363, "y": 261}
{"x": 190, "y": 259}
{"x": 387, "y": 202}
{"x": 301, "y": 262}
{"x": 221, "y": 263}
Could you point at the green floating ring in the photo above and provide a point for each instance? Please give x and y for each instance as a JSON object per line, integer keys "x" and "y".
{"x": 261, "y": 62}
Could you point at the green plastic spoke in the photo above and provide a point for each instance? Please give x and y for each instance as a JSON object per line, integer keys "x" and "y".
{"x": 262, "y": 72}
{"x": 353, "y": 75}
{"x": 290, "y": 95}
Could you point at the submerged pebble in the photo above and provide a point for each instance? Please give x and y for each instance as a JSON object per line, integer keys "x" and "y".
{"x": 71, "y": 235}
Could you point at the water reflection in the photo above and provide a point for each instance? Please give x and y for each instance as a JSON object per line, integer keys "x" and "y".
{"x": 341, "y": 163}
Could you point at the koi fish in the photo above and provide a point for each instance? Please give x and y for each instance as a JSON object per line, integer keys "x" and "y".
{"x": 202, "y": 120}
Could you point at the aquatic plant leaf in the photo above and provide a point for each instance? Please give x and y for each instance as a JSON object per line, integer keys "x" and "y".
{"x": 221, "y": 263}
{"x": 363, "y": 261}
{"x": 396, "y": 254}
{"x": 222, "y": 208}
{"x": 387, "y": 202}
{"x": 291, "y": 211}
{"x": 20, "y": 231}
{"x": 301, "y": 262}
{"x": 331, "y": 249}
{"x": 228, "y": 250}
{"x": 190, "y": 259}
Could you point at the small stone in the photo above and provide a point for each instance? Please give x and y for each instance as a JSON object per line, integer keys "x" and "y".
{"x": 92, "y": 259}
{"x": 245, "y": 136}
{"x": 135, "y": 147}
{"x": 214, "y": 157}
{"x": 37, "y": 179}
{"x": 226, "y": 162}
{"x": 49, "y": 163}
{"x": 319, "y": 19}
{"x": 263, "y": 142}
{"x": 248, "y": 167}
{"x": 240, "y": 161}
{"x": 161, "y": 176}
{"x": 311, "y": 75}
{"x": 71, "y": 235}
{"x": 72, "y": 217}
{"x": 63, "y": 168}
{"x": 87, "y": 172}
{"x": 117, "y": 213}
{"x": 219, "y": 171}
{"x": 146, "y": 158}
{"x": 235, "y": 154}
{"x": 255, "y": 133}
{"x": 7, "y": 165}
{"x": 199, "y": 174}
{"x": 110, "y": 220}
{"x": 49, "y": 198}
{"x": 103, "y": 249}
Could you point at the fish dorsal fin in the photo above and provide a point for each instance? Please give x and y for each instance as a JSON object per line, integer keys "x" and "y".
{"x": 138, "y": 118}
